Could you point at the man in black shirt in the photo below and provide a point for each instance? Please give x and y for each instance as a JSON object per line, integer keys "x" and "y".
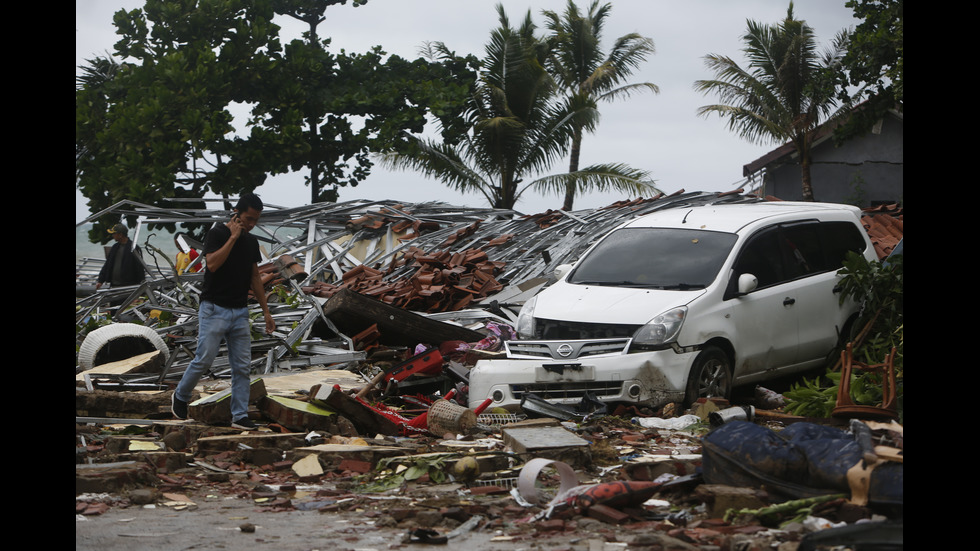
{"x": 121, "y": 266}
{"x": 232, "y": 256}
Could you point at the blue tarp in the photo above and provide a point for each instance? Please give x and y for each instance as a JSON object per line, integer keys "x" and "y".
{"x": 802, "y": 460}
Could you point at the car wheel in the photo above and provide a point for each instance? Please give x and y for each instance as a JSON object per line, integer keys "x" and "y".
{"x": 711, "y": 376}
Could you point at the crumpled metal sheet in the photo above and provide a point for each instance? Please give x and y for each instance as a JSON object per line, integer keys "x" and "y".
{"x": 425, "y": 257}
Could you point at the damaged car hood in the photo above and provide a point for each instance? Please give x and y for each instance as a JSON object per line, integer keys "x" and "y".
{"x": 607, "y": 304}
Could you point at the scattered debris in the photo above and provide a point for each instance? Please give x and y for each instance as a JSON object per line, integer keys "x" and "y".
{"x": 361, "y": 397}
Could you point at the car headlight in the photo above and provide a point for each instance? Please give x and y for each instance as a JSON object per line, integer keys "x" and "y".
{"x": 525, "y": 320}
{"x": 661, "y": 329}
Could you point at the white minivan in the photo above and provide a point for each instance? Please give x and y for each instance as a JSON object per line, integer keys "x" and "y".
{"x": 684, "y": 303}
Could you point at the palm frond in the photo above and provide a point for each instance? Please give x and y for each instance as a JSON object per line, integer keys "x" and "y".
{"x": 600, "y": 178}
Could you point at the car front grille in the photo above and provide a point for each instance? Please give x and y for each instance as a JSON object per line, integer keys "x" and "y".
{"x": 566, "y": 350}
{"x": 568, "y": 390}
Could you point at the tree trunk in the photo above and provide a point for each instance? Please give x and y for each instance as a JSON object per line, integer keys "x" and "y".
{"x": 803, "y": 147}
{"x": 573, "y": 167}
{"x": 314, "y": 163}
{"x": 313, "y": 21}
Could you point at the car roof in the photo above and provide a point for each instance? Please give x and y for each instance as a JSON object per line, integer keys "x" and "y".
{"x": 734, "y": 217}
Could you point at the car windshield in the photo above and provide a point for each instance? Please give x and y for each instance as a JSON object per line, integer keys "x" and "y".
{"x": 656, "y": 258}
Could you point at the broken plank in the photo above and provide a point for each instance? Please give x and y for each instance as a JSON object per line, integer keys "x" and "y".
{"x": 365, "y": 419}
{"x": 216, "y": 408}
{"x": 297, "y": 415}
{"x": 149, "y": 362}
{"x": 352, "y": 313}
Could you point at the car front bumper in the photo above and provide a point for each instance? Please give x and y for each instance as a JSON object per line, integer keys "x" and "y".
{"x": 649, "y": 379}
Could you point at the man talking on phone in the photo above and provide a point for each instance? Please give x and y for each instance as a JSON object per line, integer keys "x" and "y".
{"x": 232, "y": 257}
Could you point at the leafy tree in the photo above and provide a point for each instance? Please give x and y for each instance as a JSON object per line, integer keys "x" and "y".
{"x": 787, "y": 91}
{"x": 91, "y": 85}
{"x": 517, "y": 127}
{"x": 587, "y": 75}
{"x": 874, "y": 63}
{"x": 162, "y": 125}
{"x": 318, "y": 93}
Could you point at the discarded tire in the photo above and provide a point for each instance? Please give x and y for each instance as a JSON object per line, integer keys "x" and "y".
{"x": 119, "y": 341}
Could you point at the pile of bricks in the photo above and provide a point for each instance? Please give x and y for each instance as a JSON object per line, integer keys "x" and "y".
{"x": 442, "y": 281}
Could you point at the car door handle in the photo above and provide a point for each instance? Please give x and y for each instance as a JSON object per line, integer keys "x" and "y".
{"x": 789, "y": 301}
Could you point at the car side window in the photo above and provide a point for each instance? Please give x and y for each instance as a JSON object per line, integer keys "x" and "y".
{"x": 790, "y": 251}
{"x": 800, "y": 249}
{"x": 760, "y": 257}
{"x": 839, "y": 238}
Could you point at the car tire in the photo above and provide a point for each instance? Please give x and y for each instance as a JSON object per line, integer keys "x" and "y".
{"x": 711, "y": 376}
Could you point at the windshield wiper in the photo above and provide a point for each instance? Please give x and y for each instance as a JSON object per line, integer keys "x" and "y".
{"x": 679, "y": 286}
{"x": 683, "y": 286}
{"x": 630, "y": 284}
{"x": 610, "y": 283}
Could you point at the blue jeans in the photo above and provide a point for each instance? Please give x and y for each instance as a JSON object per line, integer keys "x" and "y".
{"x": 216, "y": 323}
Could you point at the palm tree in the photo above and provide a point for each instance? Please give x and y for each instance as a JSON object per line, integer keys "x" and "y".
{"x": 518, "y": 128}
{"x": 787, "y": 92}
{"x": 585, "y": 74}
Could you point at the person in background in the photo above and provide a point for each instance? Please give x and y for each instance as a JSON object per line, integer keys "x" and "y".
{"x": 121, "y": 267}
{"x": 231, "y": 270}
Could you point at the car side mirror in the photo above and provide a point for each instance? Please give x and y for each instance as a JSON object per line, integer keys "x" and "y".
{"x": 561, "y": 270}
{"x": 747, "y": 283}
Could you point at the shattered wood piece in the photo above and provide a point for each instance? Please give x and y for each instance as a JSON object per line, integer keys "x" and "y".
{"x": 338, "y": 453}
{"x": 150, "y": 362}
{"x": 106, "y": 478}
{"x": 297, "y": 415}
{"x": 366, "y": 419}
{"x": 301, "y": 381}
{"x": 115, "y": 404}
{"x": 353, "y": 313}
{"x": 212, "y": 445}
{"x": 216, "y": 408}
{"x": 651, "y": 467}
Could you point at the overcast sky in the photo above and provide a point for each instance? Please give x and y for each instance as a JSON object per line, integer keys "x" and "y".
{"x": 660, "y": 133}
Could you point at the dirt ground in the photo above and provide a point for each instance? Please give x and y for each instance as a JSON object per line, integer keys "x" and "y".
{"x": 224, "y": 523}
{"x": 229, "y": 522}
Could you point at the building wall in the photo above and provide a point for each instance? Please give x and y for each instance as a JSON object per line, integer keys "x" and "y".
{"x": 864, "y": 171}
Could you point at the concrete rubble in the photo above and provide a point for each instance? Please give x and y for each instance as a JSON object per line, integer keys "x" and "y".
{"x": 381, "y": 308}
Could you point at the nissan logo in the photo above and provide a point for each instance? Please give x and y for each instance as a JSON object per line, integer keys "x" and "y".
{"x": 565, "y": 350}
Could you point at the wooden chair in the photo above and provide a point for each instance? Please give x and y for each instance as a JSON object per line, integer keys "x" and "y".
{"x": 889, "y": 392}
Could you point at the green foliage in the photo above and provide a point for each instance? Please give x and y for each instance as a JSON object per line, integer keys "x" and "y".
{"x": 161, "y": 127}
{"x": 813, "y": 398}
{"x": 159, "y": 124}
{"x": 874, "y": 64}
{"x": 879, "y": 288}
{"x": 783, "y": 513}
{"x": 286, "y": 297}
{"x": 91, "y": 323}
{"x": 396, "y": 471}
{"x": 165, "y": 319}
